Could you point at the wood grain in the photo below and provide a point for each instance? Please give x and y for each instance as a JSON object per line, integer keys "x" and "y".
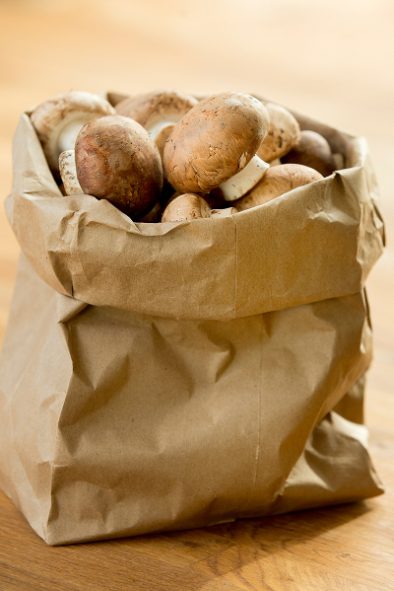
{"x": 331, "y": 60}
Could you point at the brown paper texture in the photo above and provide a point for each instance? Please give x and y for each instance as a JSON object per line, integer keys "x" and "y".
{"x": 318, "y": 244}
{"x": 166, "y": 376}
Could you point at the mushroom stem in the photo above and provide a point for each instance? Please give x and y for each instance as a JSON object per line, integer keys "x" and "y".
{"x": 241, "y": 182}
{"x": 68, "y": 173}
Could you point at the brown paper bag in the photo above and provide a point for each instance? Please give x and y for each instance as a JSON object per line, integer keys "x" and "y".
{"x": 166, "y": 376}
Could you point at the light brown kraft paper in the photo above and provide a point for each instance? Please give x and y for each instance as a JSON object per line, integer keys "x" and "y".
{"x": 161, "y": 396}
{"x": 117, "y": 424}
{"x": 319, "y": 243}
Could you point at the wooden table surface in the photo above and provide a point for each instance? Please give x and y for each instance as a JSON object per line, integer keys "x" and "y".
{"x": 333, "y": 60}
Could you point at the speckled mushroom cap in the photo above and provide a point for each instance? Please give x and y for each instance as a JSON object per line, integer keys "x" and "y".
{"x": 116, "y": 160}
{"x": 312, "y": 150}
{"x": 186, "y": 207}
{"x": 152, "y": 107}
{"x": 283, "y": 133}
{"x": 277, "y": 181}
{"x": 51, "y": 118}
{"x": 214, "y": 141}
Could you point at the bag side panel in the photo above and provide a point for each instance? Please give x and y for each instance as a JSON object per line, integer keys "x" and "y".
{"x": 34, "y": 372}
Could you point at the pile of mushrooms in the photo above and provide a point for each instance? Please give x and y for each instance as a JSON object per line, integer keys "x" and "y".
{"x": 166, "y": 156}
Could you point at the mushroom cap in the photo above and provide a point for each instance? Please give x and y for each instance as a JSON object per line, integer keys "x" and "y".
{"x": 162, "y": 137}
{"x": 214, "y": 141}
{"x": 185, "y": 208}
{"x": 312, "y": 150}
{"x": 152, "y": 107}
{"x": 283, "y": 133}
{"x": 116, "y": 160}
{"x": 51, "y": 117}
{"x": 277, "y": 181}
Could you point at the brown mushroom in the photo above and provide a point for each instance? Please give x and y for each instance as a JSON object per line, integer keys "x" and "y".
{"x": 312, "y": 150}
{"x": 57, "y": 121}
{"x": 283, "y": 133}
{"x": 223, "y": 212}
{"x": 153, "y": 216}
{"x": 277, "y": 181}
{"x": 156, "y": 110}
{"x": 117, "y": 161}
{"x": 162, "y": 136}
{"x": 214, "y": 145}
{"x": 186, "y": 207}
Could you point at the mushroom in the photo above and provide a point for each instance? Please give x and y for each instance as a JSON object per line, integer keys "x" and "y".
{"x": 116, "y": 160}
{"x": 68, "y": 173}
{"x": 277, "y": 181}
{"x": 241, "y": 182}
{"x": 57, "y": 121}
{"x": 312, "y": 150}
{"x": 154, "y": 215}
{"x": 186, "y": 207}
{"x": 283, "y": 133}
{"x": 223, "y": 213}
{"x": 214, "y": 146}
{"x": 162, "y": 137}
{"x": 157, "y": 111}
